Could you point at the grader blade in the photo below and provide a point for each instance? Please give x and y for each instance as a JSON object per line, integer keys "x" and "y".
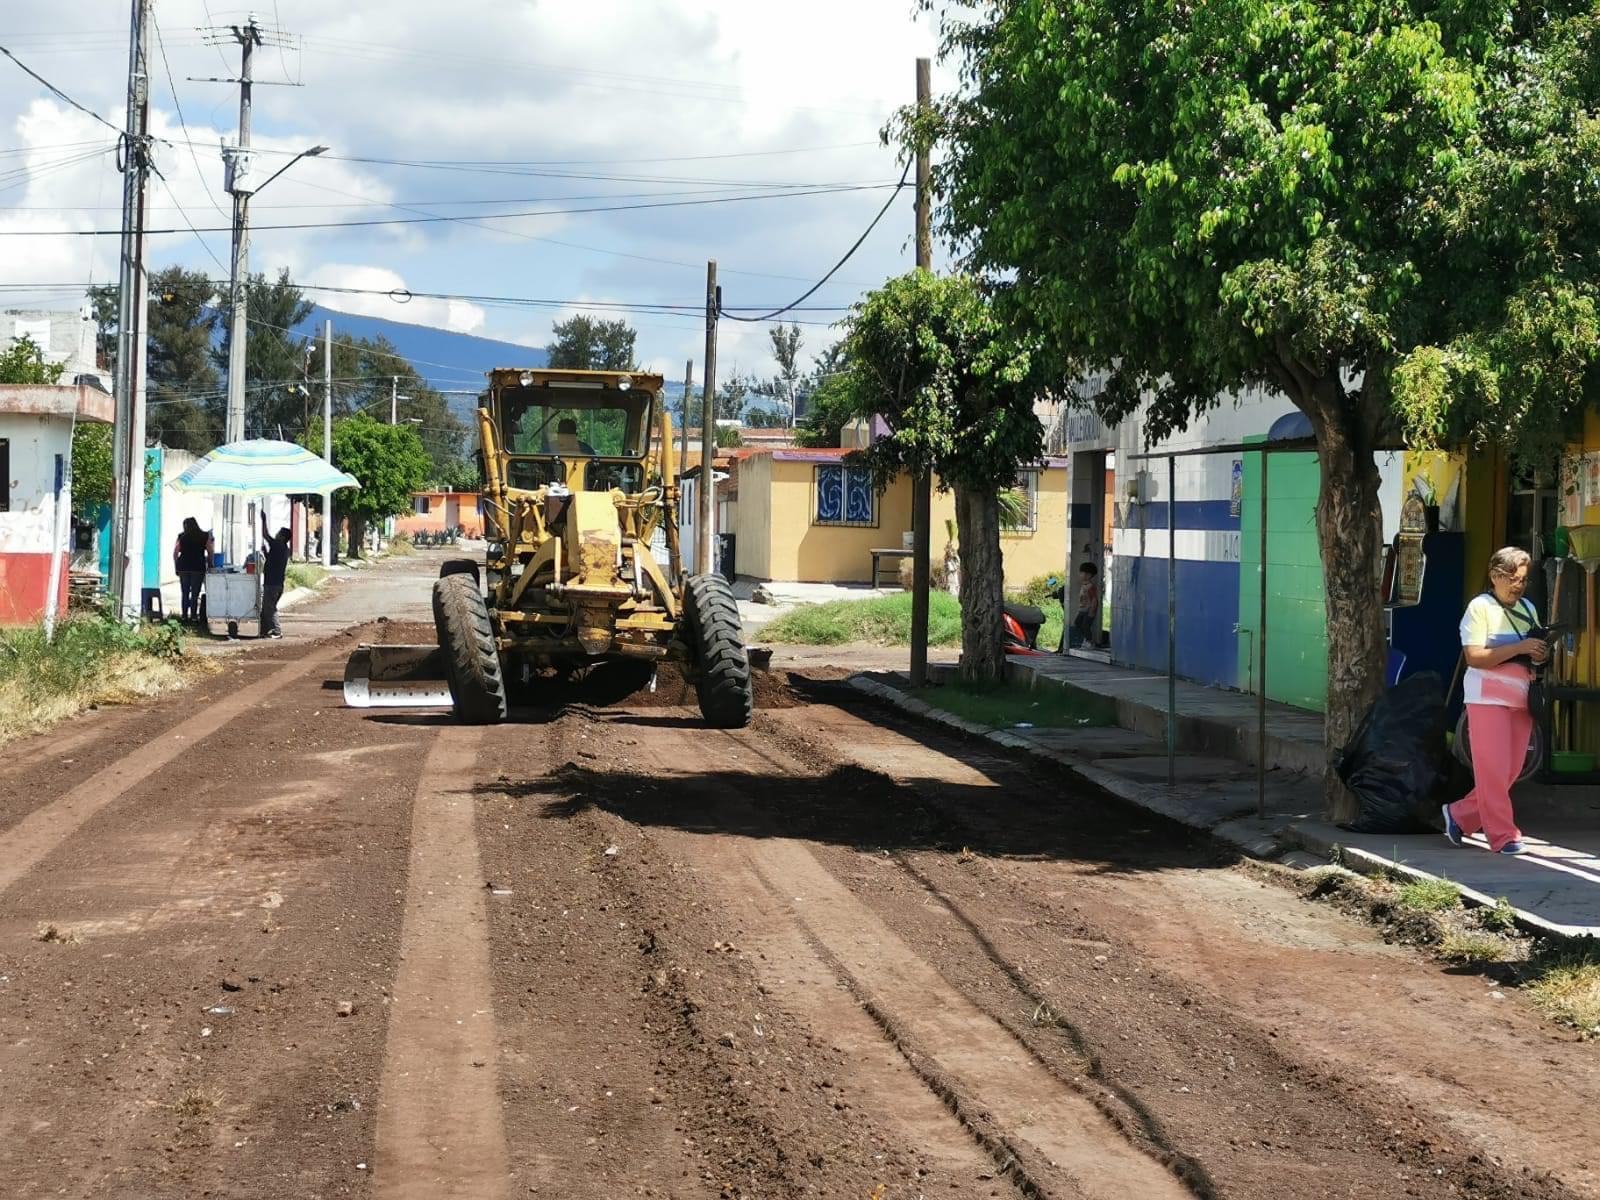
{"x": 396, "y": 677}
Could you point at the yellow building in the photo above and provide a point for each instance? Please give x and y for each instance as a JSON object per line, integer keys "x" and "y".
{"x": 809, "y": 516}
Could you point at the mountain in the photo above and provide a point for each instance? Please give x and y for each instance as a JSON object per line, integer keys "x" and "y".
{"x": 447, "y": 360}
{"x": 455, "y": 363}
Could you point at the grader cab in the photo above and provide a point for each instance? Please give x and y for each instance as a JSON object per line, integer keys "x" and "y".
{"x": 578, "y": 480}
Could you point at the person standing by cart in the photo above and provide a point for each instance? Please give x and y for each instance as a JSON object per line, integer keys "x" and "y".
{"x": 1501, "y": 643}
{"x": 190, "y": 557}
{"x": 272, "y": 574}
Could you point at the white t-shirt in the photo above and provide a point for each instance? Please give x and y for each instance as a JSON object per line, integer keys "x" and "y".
{"x": 1488, "y": 623}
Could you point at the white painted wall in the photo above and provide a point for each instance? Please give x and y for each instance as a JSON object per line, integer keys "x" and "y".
{"x": 34, "y": 442}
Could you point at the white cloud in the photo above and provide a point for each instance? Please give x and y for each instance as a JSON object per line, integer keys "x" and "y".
{"x": 391, "y": 299}
{"x": 662, "y": 88}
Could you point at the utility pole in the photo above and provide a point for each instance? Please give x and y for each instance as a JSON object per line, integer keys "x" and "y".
{"x": 394, "y": 399}
{"x": 327, "y": 439}
{"x": 239, "y": 185}
{"x": 127, "y": 518}
{"x": 922, "y": 482}
{"x": 683, "y": 434}
{"x": 705, "y": 560}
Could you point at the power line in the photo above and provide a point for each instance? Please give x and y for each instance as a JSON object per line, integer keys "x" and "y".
{"x": 204, "y": 245}
{"x": 445, "y": 219}
{"x": 53, "y": 88}
{"x": 172, "y": 88}
{"x": 795, "y": 304}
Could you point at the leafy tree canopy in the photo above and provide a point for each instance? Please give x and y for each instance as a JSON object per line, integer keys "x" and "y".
{"x": 1293, "y": 194}
{"x": 954, "y": 386}
{"x": 387, "y": 460}
{"x": 585, "y": 343}
{"x": 24, "y": 362}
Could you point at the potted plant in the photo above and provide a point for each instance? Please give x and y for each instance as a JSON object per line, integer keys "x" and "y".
{"x": 1429, "y": 495}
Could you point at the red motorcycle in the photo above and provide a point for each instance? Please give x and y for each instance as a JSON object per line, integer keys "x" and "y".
{"x": 1020, "y": 624}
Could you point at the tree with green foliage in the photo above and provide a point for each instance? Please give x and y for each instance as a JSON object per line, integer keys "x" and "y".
{"x": 278, "y": 385}
{"x": 828, "y": 399}
{"x": 732, "y": 395}
{"x": 23, "y": 362}
{"x": 185, "y": 400}
{"x": 765, "y": 418}
{"x": 456, "y": 475}
{"x": 585, "y": 343}
{"x": 367, "y": 372}
{"x": 1387, "y": 212}
{"x": 184, "y": 383}
{"x": 956, "y": 388}
{"x": 389, "y": 463}
{"x": 727, "y": 437}
{"x": 784, "y": 386}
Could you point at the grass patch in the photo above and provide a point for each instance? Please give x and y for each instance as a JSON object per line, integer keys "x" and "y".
{"x": 1500, "y": 918}
{"x": 1566, "y": 987}
{"x": 1005, "y": 705}
{"x": 93, "y": 660}
{"x": 399, "y": 546}
{"x": 303, "y": 575}
{"x": 885, "y": 621}
{"x": 1428, "y": 895}
{"x": 1461, "y": 946}
{"x": 194, "y": 1103}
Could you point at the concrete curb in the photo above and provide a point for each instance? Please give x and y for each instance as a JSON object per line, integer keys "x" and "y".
{"x": 1256, "y": 838}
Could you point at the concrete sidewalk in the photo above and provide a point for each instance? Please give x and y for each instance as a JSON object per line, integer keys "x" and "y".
{"x": 1555, "y": 887}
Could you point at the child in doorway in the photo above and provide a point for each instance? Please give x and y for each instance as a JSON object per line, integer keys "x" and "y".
{"x": 1086, "y": 621}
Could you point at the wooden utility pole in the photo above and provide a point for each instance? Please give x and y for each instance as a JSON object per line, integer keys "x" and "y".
{"x": 922, "y": 482}
{"x": 705, "y": 560}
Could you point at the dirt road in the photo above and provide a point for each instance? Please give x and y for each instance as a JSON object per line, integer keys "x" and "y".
{"x": 253, "y": 944}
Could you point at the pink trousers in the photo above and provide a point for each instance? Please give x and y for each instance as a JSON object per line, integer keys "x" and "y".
{"x": 1499, "y": 739}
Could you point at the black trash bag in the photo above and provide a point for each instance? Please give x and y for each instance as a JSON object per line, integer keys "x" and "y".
{"x": 1397, "y": 757}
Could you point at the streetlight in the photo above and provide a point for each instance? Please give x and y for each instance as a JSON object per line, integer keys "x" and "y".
{"x": 311, "y": 153}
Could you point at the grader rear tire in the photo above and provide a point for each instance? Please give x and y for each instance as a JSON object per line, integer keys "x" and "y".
{"x": 723, "y": 685}
{"x": 477, "y": 686}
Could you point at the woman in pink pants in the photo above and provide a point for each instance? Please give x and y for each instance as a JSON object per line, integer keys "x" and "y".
{"x": 1495, "y": 634}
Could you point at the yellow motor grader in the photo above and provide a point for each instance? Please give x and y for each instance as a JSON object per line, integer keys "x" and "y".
{"x": 576, "y": 487}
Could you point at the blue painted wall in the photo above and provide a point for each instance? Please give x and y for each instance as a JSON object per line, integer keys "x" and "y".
{"x": 1208, "y": 607}
{"x": 152, "y": 526}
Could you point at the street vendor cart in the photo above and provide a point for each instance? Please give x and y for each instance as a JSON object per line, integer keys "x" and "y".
{"x": 233, "y": 596}
{"x": 254, "y": 467}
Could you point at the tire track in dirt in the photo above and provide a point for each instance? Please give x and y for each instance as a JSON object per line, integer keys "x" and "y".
{"x": 439, "y": 1133}
{"x": 1057, "y": 1142}
{"x": 1012, "y": 910}
{"x": 30, "y": 840}
{"x": 181, "y": 1038}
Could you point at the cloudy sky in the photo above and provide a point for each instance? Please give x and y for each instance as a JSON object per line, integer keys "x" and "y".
{"x": 716, "y": 114}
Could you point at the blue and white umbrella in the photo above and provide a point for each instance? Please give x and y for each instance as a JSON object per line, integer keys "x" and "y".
{"x": 259, "y": 467}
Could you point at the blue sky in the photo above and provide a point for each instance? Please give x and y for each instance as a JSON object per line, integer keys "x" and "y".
{"x": 529, "y": 105}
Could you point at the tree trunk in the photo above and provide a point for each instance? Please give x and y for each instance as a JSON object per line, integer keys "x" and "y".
{"x": 1350, "y": 536}
{"x": 358, "y": 535}
{"x": 982, "y": 585}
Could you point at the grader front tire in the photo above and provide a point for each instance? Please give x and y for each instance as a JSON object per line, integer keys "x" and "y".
{"x": 727, "y": 697}
{"x": 477, "y": 685}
